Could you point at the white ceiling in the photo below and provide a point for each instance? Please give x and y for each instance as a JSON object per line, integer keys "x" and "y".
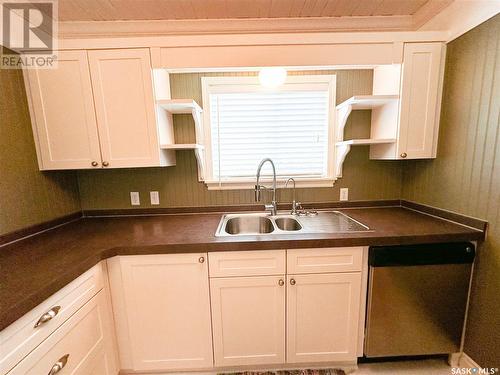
{"x": 80, "y": 18}
{"x": 115, "y": 10}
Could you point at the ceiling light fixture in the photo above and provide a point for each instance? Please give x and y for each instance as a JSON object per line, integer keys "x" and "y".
{"x": 272, "y": 76}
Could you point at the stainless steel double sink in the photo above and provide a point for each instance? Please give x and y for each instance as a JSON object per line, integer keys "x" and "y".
{"x": 242, "y": 224}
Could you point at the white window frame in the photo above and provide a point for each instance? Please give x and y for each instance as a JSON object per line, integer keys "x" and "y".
{"x": 234, "y": 84}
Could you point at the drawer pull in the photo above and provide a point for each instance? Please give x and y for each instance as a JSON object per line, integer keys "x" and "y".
{"x": 59, "y": 365}
{"x": 47, "y": 316}
{"x": 281, "y": 282}
{"x": 201, "y": 260}
{"x": 292, "y": 282}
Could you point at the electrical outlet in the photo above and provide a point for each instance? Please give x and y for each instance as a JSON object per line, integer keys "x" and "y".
{"x": 344, "y": 194}
{"x": 134, "y": 198}
{"x": 155, "y": 197}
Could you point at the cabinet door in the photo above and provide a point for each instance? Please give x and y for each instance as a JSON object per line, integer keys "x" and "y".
{"x": 421, "y": 88}
{"x": 123, "y": 94}
{"x": 322, "y": 317}
{"x": 63, "y": 114}
{"x": 168, "y": 311}
{"x": 248, "y": 315}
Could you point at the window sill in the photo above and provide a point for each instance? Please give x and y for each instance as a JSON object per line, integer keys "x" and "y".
{"x": 247, "y": 184}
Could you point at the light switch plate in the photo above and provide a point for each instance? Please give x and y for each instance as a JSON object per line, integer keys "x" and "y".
{"x": 344, "y": 194}
{"x": 155, "y": 197}
{"x": 134, "y": 198}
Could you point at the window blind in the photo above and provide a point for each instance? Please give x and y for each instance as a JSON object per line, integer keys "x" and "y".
{"x": 290, "y": 127}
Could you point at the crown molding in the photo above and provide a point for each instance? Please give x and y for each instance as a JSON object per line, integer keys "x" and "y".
{"x": 462, "y": 16}
{"x": 103, "y": 29}
{"x": 437, "y": 20}
{"x": 93, "y": 29}
{"x": 252, "y": 39}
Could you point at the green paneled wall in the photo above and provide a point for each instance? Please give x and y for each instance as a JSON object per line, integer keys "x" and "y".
{"x": 178, "y": 186}
{"x": 27, "y": 196}
{"x": 465, "y": 176}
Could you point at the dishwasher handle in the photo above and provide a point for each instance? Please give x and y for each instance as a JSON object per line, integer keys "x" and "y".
{"x": 423, "y": 254}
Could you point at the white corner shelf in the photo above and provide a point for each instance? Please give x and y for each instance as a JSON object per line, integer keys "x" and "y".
{"x": 184, "y": 106}
{"x": 179, "y": 106}
{"x": 383, "y": 123}
{"x": 361, "y": 142}
{"x": 182, "y": 146}
{"x": 368, "y": 101}
{"x": 344, "y": 109}
{"x": 342, "y": 149}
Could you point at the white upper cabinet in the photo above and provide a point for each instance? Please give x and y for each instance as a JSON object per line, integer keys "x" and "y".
{"x": 125, "y": 107}
{"x": 415, "y": 124}
{"x": 96, "y": 110}
{"x": 421, "y": 89}
{"x": 63, "y": 113}
{"x": 164, "y": 301}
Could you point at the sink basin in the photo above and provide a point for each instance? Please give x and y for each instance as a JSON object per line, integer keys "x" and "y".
{"x": 249, "y": 224}
{"x": 261, "y": 223}
{"x": 287, "y": 223}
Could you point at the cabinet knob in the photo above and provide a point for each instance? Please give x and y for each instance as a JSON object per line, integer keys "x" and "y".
{"x": 105, "y": 163}
{"x": 95, "y": 164}
{"x": 201, "y": 259}
{"x": 59, "y": 365}
{"x": 292, "y": 282}
{"x": 403, "y": 155}
{"x": 281, "y": 282}
{"x": 47, "y": 316}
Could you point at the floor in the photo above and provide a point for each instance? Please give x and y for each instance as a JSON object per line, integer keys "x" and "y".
{"x": 422, "y": 367}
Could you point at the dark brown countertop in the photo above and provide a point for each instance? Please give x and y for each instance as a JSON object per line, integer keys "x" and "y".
{"x": 34, "y": 268}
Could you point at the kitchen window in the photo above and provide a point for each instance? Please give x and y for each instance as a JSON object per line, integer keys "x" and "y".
{"x": 293, "y": 125}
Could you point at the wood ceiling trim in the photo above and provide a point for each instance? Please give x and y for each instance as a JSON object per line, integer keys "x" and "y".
{"x": 429, "y": 10}
{"x": 231, "y": 26}
{"x": 114, "y": 10}
{"x": 368, "y": 23}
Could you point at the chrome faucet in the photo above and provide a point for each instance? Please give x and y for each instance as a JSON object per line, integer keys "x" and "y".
{"x": 295, "y": 204}
{"x": 268, "y": 207}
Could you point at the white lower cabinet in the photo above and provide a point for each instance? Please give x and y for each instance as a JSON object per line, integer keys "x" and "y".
{"x": 81, "y": 345}
{"x": 248, "y": 317}
{"x": 322, "y": 317}
{"x": 314, "y": 313}
{"x": 162, "y": 311}
{"x": 29, "y": 331}
{"x": 237, "y": 308}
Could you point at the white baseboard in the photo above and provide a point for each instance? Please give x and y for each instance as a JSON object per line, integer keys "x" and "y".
{"x": 454, "y": 359}
{"x": 466, "y": 361}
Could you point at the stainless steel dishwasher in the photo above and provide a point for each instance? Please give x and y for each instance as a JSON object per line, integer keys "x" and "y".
{"x": 417, "y": 297}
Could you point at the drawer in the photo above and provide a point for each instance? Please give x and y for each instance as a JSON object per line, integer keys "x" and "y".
{"x": 246, "y": 263}
{"x": 330, "y": 259}
{"x": 21, "y": 337}
{"x": 81, "y": 340}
